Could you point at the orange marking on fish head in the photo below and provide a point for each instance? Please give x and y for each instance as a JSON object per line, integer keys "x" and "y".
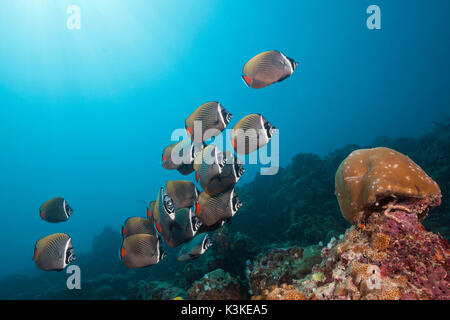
{"x": 234, "y": 143}
{"x": 189, "y": 130}
{"x": 158, "y": 227}
{"x": 248, "y": 80}
{"x": 36, "y": 253}
{"x": 198, "y": 209}
{"x": 149, "y": 214}
{"x": 124, "y": 231}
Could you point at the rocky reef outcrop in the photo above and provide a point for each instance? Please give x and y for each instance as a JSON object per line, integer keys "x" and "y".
{"x": 387, "y": 254}
{"x": 217, "y": 285}
{"x": 389, "y": 258}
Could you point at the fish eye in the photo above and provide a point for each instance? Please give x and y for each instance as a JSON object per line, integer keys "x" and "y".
{"x": 193, "y": 153}
{"x": 196, "y": 224}
{"x": 162, "y": 253}
{"x": 69, "y": 210}
{"x": 168, "y": 204}
{"x": 70, "y": 256}
{"x": 226, "y": 116}
{"x": 239, "y": 169}
{"x": 222, "y": 163}
{"x": 236, "y": 203}
{"x": 293, "y": 63}
{"x": 269, "y": 129}
{"x": 207, "y": 243}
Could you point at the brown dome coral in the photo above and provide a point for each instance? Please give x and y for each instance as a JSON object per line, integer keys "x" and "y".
{"x": 375, "y": 177}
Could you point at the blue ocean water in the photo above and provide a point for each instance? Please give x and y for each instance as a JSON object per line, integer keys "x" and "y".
{"x": 85, "y": 114}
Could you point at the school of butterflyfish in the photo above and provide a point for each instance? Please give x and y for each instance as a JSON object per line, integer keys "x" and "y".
{"x": 182, "y": 215}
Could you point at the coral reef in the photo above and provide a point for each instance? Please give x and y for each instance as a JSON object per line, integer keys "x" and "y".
{"x": 231, "y": 250}
{"x": 388, "y": 255}
{"x": 279, "y": 266}
{"x": 217, "y": 285}
{"x": 192, "y": 271}
{"x": 154, "y": 290}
